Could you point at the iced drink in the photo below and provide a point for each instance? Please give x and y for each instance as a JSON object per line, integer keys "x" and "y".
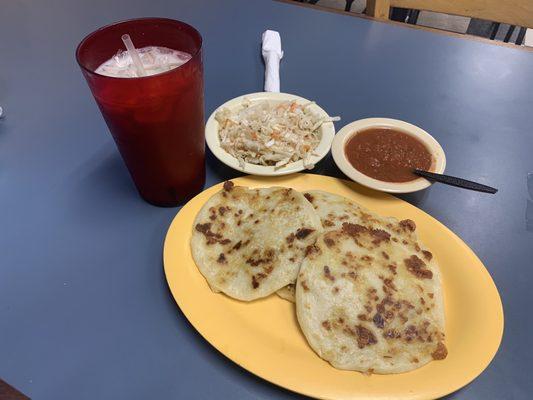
{"x": 157, "y": 120}
{"x": 155, "y": 60}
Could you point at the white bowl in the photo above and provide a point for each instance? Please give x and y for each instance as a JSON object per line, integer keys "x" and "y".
{"x": 327, "y": 131}
{"x": 339, "y": 154}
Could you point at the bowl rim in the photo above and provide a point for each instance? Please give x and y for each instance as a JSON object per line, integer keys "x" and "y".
{"x": 346, "y": 133}
{"x": 211, "y": 136}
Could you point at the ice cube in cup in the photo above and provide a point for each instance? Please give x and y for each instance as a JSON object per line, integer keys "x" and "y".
{"x": 155, "y": 60}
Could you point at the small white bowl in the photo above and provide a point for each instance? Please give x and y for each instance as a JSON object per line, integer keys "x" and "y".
{"x": 327, "y": 131}
{"x": 347, "y": 132}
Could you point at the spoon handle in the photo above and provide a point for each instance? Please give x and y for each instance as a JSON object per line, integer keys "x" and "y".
{"x": 454, "y": 181}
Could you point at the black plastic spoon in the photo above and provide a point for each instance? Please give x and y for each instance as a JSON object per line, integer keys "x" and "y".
{"x": 454, "y": 181}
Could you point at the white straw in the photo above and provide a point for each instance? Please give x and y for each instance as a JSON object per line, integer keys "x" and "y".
{"x": 134, "y": 55}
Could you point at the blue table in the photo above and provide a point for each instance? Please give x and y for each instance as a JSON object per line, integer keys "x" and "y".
{"x": 85, "y": 312}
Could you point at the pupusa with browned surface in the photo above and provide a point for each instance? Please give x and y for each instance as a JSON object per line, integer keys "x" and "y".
{"x": 248, "y": 243}
{"x": 369, "y": 296}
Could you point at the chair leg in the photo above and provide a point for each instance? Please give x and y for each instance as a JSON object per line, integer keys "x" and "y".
{"x": 495, "y": 27}
{"x": 412, "y": 17}
{"x": 348, "y": 5}
{"x": 509, "y": 34}
{"x": 399, "y": 14}
{"x": 521, "y": 36}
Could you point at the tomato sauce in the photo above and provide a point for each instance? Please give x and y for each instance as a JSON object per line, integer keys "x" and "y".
{"x": 387, "y": 154}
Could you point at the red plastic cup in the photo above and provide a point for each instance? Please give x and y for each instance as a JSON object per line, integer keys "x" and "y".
{"x": 156, "y": 121}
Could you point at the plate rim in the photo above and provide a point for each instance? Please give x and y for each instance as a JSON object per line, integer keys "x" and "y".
{"x": 323, "y": 148}
{"x": 234, "y": 356}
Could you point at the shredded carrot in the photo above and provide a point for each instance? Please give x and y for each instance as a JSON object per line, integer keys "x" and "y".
{"x": 293, "y": 107}
{"x": 275, "y": 135}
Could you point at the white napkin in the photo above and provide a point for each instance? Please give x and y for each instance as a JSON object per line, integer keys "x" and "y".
{"x": 272, "y": 54}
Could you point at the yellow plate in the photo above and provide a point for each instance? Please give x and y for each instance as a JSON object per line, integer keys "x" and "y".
{"x": 264, "y": 336}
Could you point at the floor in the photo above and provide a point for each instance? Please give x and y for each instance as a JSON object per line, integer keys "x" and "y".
{"x": 529, "y": 38}
{"x": 435, "y": 20}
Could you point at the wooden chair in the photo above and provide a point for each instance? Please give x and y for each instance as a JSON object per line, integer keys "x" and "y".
{"x": 512, "y": 12}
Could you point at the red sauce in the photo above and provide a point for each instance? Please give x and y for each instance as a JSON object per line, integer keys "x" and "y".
{"x": 387, "y": 154}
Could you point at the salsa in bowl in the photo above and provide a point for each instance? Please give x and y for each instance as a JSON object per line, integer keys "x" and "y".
{"x": 382, "y": 153}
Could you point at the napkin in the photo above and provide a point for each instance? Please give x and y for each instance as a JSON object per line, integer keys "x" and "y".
{"x": 272, "y": 54}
